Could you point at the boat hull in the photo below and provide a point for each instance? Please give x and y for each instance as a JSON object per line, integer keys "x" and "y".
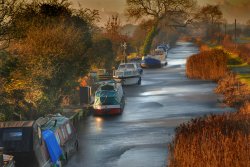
{"x": 129, "y": 80}
{"x": 151, "y": 63}
{"x": 108, "y": 110}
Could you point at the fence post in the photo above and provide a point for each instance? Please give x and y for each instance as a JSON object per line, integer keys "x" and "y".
{"x": 1, "y": 157}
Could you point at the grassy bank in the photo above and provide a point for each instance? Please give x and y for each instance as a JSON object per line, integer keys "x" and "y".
{"x": 216, "y": 140}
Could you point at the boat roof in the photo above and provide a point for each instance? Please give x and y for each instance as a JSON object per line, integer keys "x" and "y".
{"x": 106, "y": 82}
{"x": 52, "y": 122}
{"x": 128, "y": 63}
{"x": 159, "y": 49}
{"x": 16, "y": 124}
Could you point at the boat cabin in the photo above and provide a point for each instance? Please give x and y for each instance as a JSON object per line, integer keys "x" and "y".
{"x": 22, "y": 140}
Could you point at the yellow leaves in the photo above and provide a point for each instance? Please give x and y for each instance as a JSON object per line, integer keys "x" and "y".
{"x": 33, "y": 96}
{"x": 32, "y": 91}
{"x": 54, "y": 40}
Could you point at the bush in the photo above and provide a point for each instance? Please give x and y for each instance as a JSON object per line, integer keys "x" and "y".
{"x": 218, "y": 141}
{"x": 207, "y": 65}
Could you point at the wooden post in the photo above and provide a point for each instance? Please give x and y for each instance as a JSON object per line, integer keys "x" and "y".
{"x": 225, "y": 29}
{"x": 235, "y": 33}
{"x": 1, "y": 157}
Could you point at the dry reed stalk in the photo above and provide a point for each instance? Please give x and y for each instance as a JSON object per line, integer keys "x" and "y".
{"x": 212, "y": 141}
{"x": 207, "y": 65}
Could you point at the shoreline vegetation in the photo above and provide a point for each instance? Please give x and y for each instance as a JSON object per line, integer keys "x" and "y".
{"x": 216, "y": 140}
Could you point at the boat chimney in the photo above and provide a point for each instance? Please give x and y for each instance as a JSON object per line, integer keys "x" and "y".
{"x": 1, "y": 157}
{"x": 55, "y": 123}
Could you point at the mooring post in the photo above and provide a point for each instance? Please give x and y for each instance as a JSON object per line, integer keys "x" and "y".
{"x": 1, "y": 157}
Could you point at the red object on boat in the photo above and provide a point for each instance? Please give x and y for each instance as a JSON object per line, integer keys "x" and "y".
{"x": 108, "y": 111}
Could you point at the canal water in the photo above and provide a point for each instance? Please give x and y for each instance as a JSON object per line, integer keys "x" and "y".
{"x": 140, "y": 136}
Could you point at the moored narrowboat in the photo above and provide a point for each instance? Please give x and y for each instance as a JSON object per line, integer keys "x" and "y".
{"x": 45, "y": 142}
{"x": 23, "y": 140}
{"x": 63, "y": 130}
{"x": 109, "y": 99}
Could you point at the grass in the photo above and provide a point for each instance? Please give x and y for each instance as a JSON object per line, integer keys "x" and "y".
{"x": 241, "y": 68}
{"x": 245, "y": 78}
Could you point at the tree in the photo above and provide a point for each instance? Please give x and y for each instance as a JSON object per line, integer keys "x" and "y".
{"x": 247, "y": 28}
{"x": 175, "y": 13}
{"x": 139, "y": 34}
{"x": 8, "y": 9}
{"x": 44, "y": 63}
{"x": 112, "y": 32}
{"x": 102, "y": 55}
{"x": 211, "y": 17}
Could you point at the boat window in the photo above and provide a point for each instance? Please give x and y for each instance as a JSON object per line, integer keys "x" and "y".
{"x": 63, "y": 132}
{"x": 122, "y": 66}
{"x": 58, "y": 138}
{"x": 12, "y": 135}
{"x": 68, "y": 129}
{"x": 159, "y": 52}
{"x": 130, "y": 66}
{"x": 107, "y": 87}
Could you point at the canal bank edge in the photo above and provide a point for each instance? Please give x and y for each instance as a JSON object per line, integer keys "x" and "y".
{"x": 205, "y": 140}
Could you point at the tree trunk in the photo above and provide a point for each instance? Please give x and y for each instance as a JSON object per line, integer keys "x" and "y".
{"x": 149, "y": 39}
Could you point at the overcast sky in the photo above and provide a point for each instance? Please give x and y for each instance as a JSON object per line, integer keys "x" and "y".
{"x": 239, "y": 9}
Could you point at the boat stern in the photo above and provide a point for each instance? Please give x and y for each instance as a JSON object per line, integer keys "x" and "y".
{"x": 107, "y": 110}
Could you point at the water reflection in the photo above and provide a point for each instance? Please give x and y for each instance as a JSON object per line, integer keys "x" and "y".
{"x": 98, "y": 124}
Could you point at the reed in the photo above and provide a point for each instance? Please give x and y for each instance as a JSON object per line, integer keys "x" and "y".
{"x": 245, "y": 108}
{"x": 212, "y": 141}
{"x": 235, "y": 92}
{"x": 207, "y": 65}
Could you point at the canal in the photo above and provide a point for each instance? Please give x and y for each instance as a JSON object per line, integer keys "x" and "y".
{"x": 140, "y": 136}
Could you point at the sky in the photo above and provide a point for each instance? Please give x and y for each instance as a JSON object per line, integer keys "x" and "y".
{"x": 232, "y": 9}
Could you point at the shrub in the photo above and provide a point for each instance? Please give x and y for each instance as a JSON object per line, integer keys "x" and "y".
{"x": 218, "y": 141}
{"x": 207, "y": 65}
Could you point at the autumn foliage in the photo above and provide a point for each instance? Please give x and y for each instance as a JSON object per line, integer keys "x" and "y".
{"x": 207, "y": 65}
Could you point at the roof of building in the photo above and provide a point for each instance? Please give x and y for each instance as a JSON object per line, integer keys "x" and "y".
{"x": 15, "y": 124}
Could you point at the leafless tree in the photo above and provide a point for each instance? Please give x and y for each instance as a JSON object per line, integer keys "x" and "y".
{"x": 211, "y": 17}
{"x": 174, "y": 12}
{"x": 8, "y": 9}
{"x": 164, "y": 13}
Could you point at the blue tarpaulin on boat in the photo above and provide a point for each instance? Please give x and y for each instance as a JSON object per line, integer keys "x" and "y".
{"x": 52, "y": 145}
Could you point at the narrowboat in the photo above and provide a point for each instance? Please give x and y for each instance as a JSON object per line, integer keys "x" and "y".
{"x": 109, "y": 99}
{"x": 45, "y": 142}
{"x": 128, "y": 74}
{"x": 63, "y": 130}
{"x": 23, "y": 140}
